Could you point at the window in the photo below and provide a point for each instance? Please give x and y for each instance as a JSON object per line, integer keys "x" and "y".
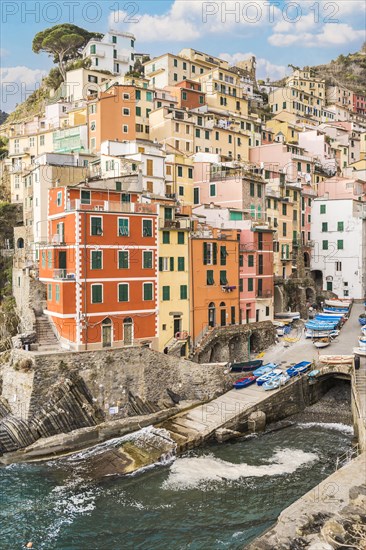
{"x": 181, "y": 264}
{"x": 149, "y": 167}
{"x": 123, "y": 227}
{"x": 96, "y": 226}
{"x": 259, "y": 190}
{"x": 284, "y": 229}
{"x": 241, "y": 260}
{"x": 123, "y": 259}
{"x": 339, "y": 245}
{"x": 190, "y": 173}
{"x": 164, "y": 264}
{"x": 223, "y": 254}
{"x": 212, "y": 189}
{"x": 196, "y": 195}
{"x": 210, "y": 253}
{"x": 166, "y": 293}
{"x": 96, "y": 259}
{"x": 57, "y": 296}
{"x": 180, "y": 171}
{"x": 126, "y": 111}
{"x": 325, "y": 245}
{"x": 49, "y": 291}
{"x": 324, "y": 227}
{"x": 251, "y": 189}
{"x": 198, "y": 132}
{"x": 97, "y": 294}
{"x": 184, "y": 96}
{"x": 210, "y": 277}
{"x": 59, "y": 198}
{"x": 175, "y": 63}
{"x": 340, "y": 226}
{"x": 166, "y": 237}
{"x": 338, "y": 266}
{"x": 175, "y": 77}
{"x": 250, "y": 260}
{"x": 267, "y": 311}
{"x": 168, "y": 213}
{"x": 147, "y": 229}
{"x": 148, "y": 293}
{"x": 138, "y": 94}
{"x": 85, "y": 197}
{"x": 223, "y": 278}
{"x": 181, "y": 237}
{"x": 183, "y": 292}
{"x": 250, "y": 285}
{"x": 125, "y": 128}
{"x": 147, "y": 259}
{"x": 323, "y": 208}
{"x": 284, "y": 209}
{"x": 260, "y": 264}
{"x": 123, "y": 292}
{"x": 207, "y": 134}
{"x": 241, "y": 285}
{"x": 93, "y": 49}
{"x": 114, "y": 39}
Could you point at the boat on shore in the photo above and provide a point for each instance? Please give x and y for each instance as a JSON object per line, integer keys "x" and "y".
{"x": 314, "y": 373}
{"x": 276, "y": 382}
{"x": 244, "y": 382}
{"x": 268, "y": 367}
{"x": 269, "y": 376}
{"x": 338, "y": 302}
{"x": 293, "y": 315}
{"x": 344, "y": 310}
{"x": 299, "y": 368}
{"x": 360, "y": 351}
{"x": 245, "y": 366}
{"x": 362, "y": 319}
{"x": 336, "y": 359}
{"x": 322, "y": 343}
{"x": 321, "y": 333}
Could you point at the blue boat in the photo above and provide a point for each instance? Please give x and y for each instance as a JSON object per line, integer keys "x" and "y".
{"x": 269, "y": 376}
{"x": 244, "y": 382}
{"x": 313, "y": 373}
{"x": 276, "y": 382}
{"x": 343, "y": 310}
{"x": 299, "y": 368}
{"x": 362, "y": 320}
{"x": 264, "y": 369}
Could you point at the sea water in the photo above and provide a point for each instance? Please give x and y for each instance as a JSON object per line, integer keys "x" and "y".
{"x": 220, "y": 496}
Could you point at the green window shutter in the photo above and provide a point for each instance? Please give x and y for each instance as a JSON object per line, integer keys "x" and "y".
{"x": 123, "y": 293}
{"x": 325, "y": 245}
{"x": 148, "y": 291}
{"x": 181, "y": 264}
{"x": 138, "y": 94}
{"x": 241, "y": 260}
{"x": 251, "y": 189}
{"x": 123, "y": 259}
{"x": 223, "y": 254}
{"x": 324, "y": 227}
{"x": 214, "y": 253}
{"x": 96, "y": 259}
{"x": 160, "y": 263}
{"x": 43, "y": 258}
{"x": 241, "y": 285}
{"x": 49, "y": 258}
{"x": 138, "y": 111}
{"x": 340, "y": 226}
{"x": 183, "y": 292}
{"x": 147, "y": 259}
{"x": 57, "y": 293}
{"x": 49, "y": 291}
{"x": 287, "y": 251}
{"x": 250, "y": 285}
{"x": 123, "y": 227}
{"x": 96, "y": 226}
{"x": 166, "y": 237}
{"x": 171, "y": 264}
{"x": 323, "y": 208}
{"x": 97, "y": 294}
{"x": 147, "y": 228}
{"x": 210, "y": 277}
{"x": 180, "y": 237}
{"x": 340, "y": 245}
{"x": 250, "y": 260}
{"x": 223, "y": 278}
{"x": 166, "y": 293}
{"x": 205, "y": 253}
{"x": 168, "y": 213}
{"x": 198, "y": 132}
{"x": 180, "y": 171}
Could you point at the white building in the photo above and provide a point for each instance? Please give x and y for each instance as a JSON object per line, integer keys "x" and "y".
{"x": 114, "y": 52}
{"x": 83, "y": 83}
{"x": 339, "y": 236}
{"x": 315, "y": 142}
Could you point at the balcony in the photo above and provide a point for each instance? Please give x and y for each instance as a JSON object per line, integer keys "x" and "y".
{"x": 110, "y": 206}
{"x": 175, "y": 224}
{"x": 57, "y": 239}
{"x": 264, "y": 294}
{"x": 248, "y": 247}
{"x": 63, "y": 274}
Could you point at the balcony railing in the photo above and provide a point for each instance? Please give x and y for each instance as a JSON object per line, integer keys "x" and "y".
{"x": 111, "y": 206}
{"x": 175, "y": 224}
{"x": 264, "y": 294}
{"x": 63, "y": 274}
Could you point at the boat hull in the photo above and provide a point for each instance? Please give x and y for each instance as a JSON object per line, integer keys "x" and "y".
{"x": 240, "y": 384}
{"x": 246, "y": 366}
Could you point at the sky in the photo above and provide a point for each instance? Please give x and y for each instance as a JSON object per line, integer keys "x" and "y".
{"x": 278, "y": 33}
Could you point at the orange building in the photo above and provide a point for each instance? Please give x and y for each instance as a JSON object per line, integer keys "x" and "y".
{"x": 100, "y": 268}
{"x": 188, "y": 94}
{"x": 214, "y": 279}
{"x": 121, "y": 113}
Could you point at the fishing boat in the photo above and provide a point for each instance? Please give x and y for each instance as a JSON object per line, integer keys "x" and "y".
{"x": 287, "y": 315}
{"x": 299, "y": 368}
{"x": 360, "y": 351}
{"x": 336, "y": 359}
{"x": 321, "y": 342}
{"x": 339, "y": 302}
{"x": 344, "y": 310}
{"x": 362, "y": 342}
{"x": 268, "y": 367}
{"x": 269, "y": 376}
{"x": 244, "y": 382}
{"x": 314, "y": 373}
{"x": 362, "y": 319}
{"x": 276, "y": 382}
{"x": 246, "y": 366}
{"x": 321, "y": 333}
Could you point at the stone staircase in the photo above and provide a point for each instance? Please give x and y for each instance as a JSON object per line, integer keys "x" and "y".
{"x": 46, "y": 338}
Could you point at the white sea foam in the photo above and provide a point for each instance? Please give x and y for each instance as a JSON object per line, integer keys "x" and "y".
{"x": 344, "y": 428}
{"x": 188, "y": 473}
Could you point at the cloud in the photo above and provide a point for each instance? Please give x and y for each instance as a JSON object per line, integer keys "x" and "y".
{"x": 3, "y": 52}
{"x": 329, "y": 35}
{"x": 17, "y": 83}
{"x": 264, "y": 67}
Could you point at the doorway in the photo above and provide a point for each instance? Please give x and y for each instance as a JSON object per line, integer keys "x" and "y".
{"x": 128, "y": 331}
{"x": 107, "y": 333}
{"x": 211, "y": 315}
{"x": 62, "y": 263}
{"x": 222, "y": 314}
{"x": 177, "y": 325}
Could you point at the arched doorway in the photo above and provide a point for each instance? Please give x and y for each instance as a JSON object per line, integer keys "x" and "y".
{"x": 107, "y": 333}
{"x": 306, "y": 260}
{"x": 20, "y": 243}
{"x": 128, "y": 331}
{"x": 222, "y": 314}
{"x": 211, "y": 314}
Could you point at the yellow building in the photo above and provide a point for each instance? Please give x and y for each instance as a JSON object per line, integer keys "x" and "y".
{"x": 289, "y": 130}
{"x": 173, "y": 282}
{"x": 224, "y": 90}
{"x": 179, "y": 178}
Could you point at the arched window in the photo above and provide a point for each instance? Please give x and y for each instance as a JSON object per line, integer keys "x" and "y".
{"x": 128, "y": 331}
{"x": 223, "y": 314}
{"x": 20, "y": 243}
{"x": 211, "y": 314}
{"x": 107, "y": 332}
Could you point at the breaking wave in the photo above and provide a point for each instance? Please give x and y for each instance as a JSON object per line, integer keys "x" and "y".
{"x": 344, "y": 428}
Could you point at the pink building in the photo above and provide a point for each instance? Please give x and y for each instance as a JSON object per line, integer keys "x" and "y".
{"x": 359, "y": 104}
{"x": 291, "y": 160}
{"x": 342, "y": 188}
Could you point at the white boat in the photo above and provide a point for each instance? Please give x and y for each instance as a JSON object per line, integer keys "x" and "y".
{"x": 321, "y": 333}
{"x": 287, "y": 315}
{"x": 363, "y": 330}
{"x": 337, "y": 359}
{"x": 276, "y": 382}
{"x": 338, "y": 303}
{"x": 321, "y": 343}
{"x": 362, "y": 342}
{"x": 360, "y": 351}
